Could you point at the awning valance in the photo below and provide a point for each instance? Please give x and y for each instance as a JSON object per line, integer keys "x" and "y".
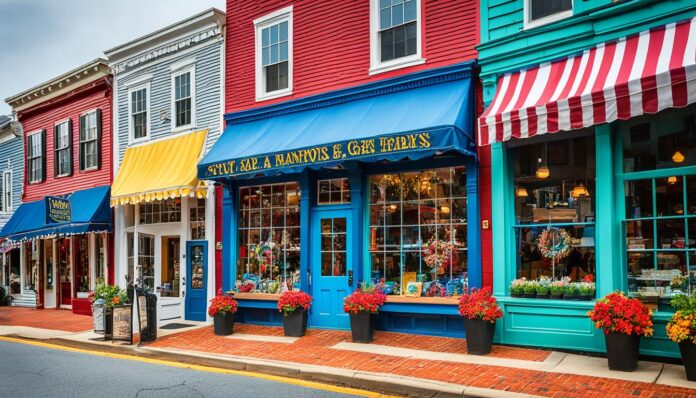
{"x": 410, "y": 123}
{"x": 635, "y": 75}
{"x": 89, "y": 211}
{"x": 160, "y": 170}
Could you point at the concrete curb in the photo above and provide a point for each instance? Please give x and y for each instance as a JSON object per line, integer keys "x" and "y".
{"x": 384, "y": 383}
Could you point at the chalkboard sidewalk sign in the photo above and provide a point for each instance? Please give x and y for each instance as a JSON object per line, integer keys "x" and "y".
{"x": 122, "y": 329}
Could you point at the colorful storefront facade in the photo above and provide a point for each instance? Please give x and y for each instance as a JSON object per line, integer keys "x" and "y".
{"x": 12, "y": 168}
{"x": 591, "y": 124}
{"x": 345, "y": 171}
{"x": 61, "y": 233}
{"x": 168, "y": 89}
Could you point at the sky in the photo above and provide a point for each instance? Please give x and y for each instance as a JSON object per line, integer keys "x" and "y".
{"x": 42, "y": 39}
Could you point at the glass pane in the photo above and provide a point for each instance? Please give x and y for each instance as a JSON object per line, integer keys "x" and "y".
{"x": 326, "y": 264}
{"x": 266, "y": 37}
{"x": 397, "y": 14}
{"x": 670, "y": 233}
{"x": 274, "y": 34}
{"x": 545, "y": 8}
{"x": 669, "y": 193}
{"x": 283, "y": 31}
{"x": 197, "y": 267}
{"x": 639, "y": 199}
{"x": 577, "y": 264}
{"x": 385, "y": 18}
{"x": 691, "y": 194}
{"x": 409, "y": 10}
{"x": 639, "y": 235}
{"x": 692, "y": 235}
{"x": 641, "y": 267}
{"x": 339, "y": 265}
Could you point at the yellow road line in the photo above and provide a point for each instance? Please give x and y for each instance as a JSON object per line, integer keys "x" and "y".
{"x": 209, "y": 369}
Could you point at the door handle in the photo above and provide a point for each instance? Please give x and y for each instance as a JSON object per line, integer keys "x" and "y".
{"x": 350, "y": 277}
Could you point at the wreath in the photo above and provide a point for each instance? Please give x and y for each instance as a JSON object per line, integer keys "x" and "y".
{"x": 438, "y": 253}
{"x": 554, "y": 243}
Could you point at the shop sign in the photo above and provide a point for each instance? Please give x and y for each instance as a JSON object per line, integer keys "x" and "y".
{"x": 122, "y": 324}
{"x": 57, "y": 210}
{"x": 347, "y": 150}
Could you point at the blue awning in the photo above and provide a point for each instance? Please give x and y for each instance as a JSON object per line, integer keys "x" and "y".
{"x": 422, "y": 117}
{"x": 90, "y": 212}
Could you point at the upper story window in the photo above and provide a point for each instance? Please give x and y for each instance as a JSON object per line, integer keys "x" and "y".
{"x": 6, "y": 198}
{"x": 183, "y": 98}
{"x": 274, "y": 54}
{"x": 90, "y": 126}
{"x": 540, "y": 12}
{"x": 62, "y": 140}
{"x": 396, "y": 34}
{"x": 139, "y": 104}
{"x": 36, "y": 144}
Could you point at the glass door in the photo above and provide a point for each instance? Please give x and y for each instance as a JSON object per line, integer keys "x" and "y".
{"x": 196, "y": 283}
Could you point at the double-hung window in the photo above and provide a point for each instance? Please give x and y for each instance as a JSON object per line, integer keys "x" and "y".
{"x": 62, "y": 149}
{"x": 396, "y": 37}
{"x": 89, "y": 141}
{"x": 35, "y": 156}
{"x": 183, "y": 85}
{"x": 139, "y": 103}
{"x": 274, "y": 54}
{"x": 540, "y": 12}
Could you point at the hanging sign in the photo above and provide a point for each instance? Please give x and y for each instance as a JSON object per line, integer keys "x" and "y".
{"x": 57, "y": 210}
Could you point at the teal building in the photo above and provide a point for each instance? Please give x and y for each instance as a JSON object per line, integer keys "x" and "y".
{"x": 590, "y": 118}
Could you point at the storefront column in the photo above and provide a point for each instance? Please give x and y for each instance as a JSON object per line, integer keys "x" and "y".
{"x": 355, "y": 179}
{"x": 501, "y": 216}
{"x": 305, "y": 195}
{"x": 229, "y": 234}
{"x": 120, "y": 245}
{"x": 607, "y": 242}
{"x": 473, "y": 230}
{"x": 210, "y": 237}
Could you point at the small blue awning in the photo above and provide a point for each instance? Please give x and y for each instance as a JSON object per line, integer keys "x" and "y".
{"x": 410, "y": 118}
{"x": 90, "y": 212}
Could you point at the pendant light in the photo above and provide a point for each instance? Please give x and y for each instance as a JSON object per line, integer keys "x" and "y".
{"x": 580, "y": 191}
{"x": 672, "y": 180}
{"x": 521, "y": 192}
{"x": 678, "y": 157}
{"x": 543, "y": 172}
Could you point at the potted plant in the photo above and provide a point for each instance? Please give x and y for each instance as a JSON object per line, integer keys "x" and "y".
{"x": 105, "y": 297}
{"x": 529, "y": 289}
{"x": 480, "y": 311}
{"x": 542, "y": 287}
{"x": 586, "y": 290}
{"x": 679, "y": 285}
{"x": 363, "y": 305}
{"x": 294, "y": 306}
{"x": 681, "y": 329}
{"x": 222, "y": 309}
{"x": 624, "y": 320}
{"x": 570, "y": 291}
{"x": 557, "y": 288}
{"x": 517, "y": 287}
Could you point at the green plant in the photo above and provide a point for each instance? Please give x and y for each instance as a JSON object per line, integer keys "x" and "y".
{"x": 570, "y": 289}
{"x": 530, "y": 287}
{"x": 542, "y": 289}
{"x": 586, "y": 288}
{"x": 517, "y": 286}
{"x": 685, "y": 304}
{"x": 111, "y": 295}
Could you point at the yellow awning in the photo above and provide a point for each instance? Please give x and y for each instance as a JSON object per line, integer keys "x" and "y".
{"x": 160, "y": 170}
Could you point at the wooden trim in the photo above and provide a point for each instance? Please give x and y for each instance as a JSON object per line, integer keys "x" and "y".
{"x": 257, "y": 296}
{"x": 423, "y": 300}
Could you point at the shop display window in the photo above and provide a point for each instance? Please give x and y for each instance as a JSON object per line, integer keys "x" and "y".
{"x": 418, "y": 232}
{"x": 82, "y": 266}
{"x": 333, "y": 192}
{"x": 555, "y": 209}
{"x": 14, "y": 277}
{"x": 146, "y": 261}
{"x": 31, "y": 277}
{"x": 48, "y": 258}
{"x": 100, "y": 252}
{"x": 197, "y": 219}
{"x": 269, "y": 238}
{"x": 161, "y": 211}
{"x": 171, "y": 270}
{"x": 130, "y": 257}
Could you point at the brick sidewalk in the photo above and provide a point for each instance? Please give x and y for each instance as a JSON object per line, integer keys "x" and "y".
{"x": 315, "y": 349}
{"x": 52, "y": 319}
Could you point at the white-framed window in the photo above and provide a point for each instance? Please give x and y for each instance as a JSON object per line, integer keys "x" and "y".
{"x": 89, "y": 141}
{"x": 274, "y": 54}
{"x": 138, "y": 108}
{"x": 35, "y": 156}
{"x": 395, "y": 34}
{"x": 6, "y": 198}
{"x": 183, "y": 98}
{"x": 62, "y": 148}
{"x": 541, "y": 12}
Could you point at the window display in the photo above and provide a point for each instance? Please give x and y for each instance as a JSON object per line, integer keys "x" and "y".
{"x": 146, "y": 261}
{"x": 418, "y": 231}
{"x": 161, "y": 211}
{"x": 82, "y": 266}
{"x": 48, "y": 257}
{"x": 197, "y": 219}
{"x": 269, "y": 238}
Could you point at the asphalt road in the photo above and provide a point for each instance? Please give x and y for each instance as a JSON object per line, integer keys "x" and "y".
{"x": 31, "y": 371}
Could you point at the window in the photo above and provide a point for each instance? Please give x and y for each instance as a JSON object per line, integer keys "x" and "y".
{"x": 48, "y": 258}
{"x": 333, "y": 246}
{"x": 146, "y": 262}
{"x": 274, "y": 54}
{"x": 100, "y": 253}
{"x": 161, "y": 211}
{"x": 333, "y": 192}
{"x": 82, "y": 267}
{"x": 395, "y": 34}
{"x": 6, "y": 199}
{"x": 555, "y": 188}
{"x": 35, "y": 157}
{"x": 90, "y": 127}
{"x": 63, "y": 149}
{"x": 410, "y": 213}
{"x": 673, "y": 144}
{"x": 197, "y": 219}
{"x": 540, "y": 12}
{"x": 139, "y": 105}
{"x": 183, "y": 99}
{"x": 269, "y": 220}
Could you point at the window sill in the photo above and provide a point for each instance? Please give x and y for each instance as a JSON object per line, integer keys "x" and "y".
{"x": 180, "y": 129}
{"x": 396, "y": 64}
{"x": 273, "y": 95}
{"x": 135, "y": 141}
{"x": 93, "y": 168}
{"x": 257, "y": 296}
{"x": 547, "y": 20}
{"x": 423, "y": 300}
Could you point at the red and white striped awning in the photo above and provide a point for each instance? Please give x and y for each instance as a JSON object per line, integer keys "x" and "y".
{"x": 638, "y": 74}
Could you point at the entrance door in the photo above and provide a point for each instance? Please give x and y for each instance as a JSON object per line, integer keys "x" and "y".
{"x": 196, "y": 279}
{"x": 331, "y": 262}
{"x": 64, "y": 271}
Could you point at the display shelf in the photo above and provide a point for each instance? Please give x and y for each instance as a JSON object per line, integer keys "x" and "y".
{"x": 423, "y": 300}
{"x": 256, "y": 296}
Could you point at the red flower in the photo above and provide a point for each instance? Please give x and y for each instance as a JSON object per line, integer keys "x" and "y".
{"x": 116, "y": 300}
{"x": 364, "y": 301}
{"x": 618, "y": 313}
{"x": 588, "y": 278}
{"x": 479, "y": 304}
{"x": 221, "y": 305}
{"x": 293, "y": 300}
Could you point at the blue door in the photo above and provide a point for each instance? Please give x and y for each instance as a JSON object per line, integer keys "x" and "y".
{"x": 331, "y": 267}
{"x": 196, "y": 280}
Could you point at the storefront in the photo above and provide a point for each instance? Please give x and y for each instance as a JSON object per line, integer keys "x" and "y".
{"x": 354, "y": 186}
{"x": 597, "y": 151}
{"x": 165, "y": 225}
{"x": 62, "y": 247}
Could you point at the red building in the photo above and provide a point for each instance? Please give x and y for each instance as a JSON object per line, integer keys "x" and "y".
{"x": 325, "y": 102}
{"x": 68, "y": 172}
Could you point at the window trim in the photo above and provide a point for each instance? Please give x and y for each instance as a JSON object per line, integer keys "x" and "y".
{"x": 7, "y": 207}
{"x": 131, "y": 133}
{"x": 68, "y": 148}
{"x": 184, "y": 68}
{"x": 529, "y": 24}
{"x": 276, "y": 17}
{"x": 376, "y": 65}
{"x": 96, "y": 139}
{"x": 29, "y": 159}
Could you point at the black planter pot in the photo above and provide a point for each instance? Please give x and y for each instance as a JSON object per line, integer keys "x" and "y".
{"x": 362, "y": 327}
{"x": 688, "y": 354}
{"x": 223, "y": 324}
{"x": 585, "y": 297}
{"x": 529, "y": 295}
{"x": 622, "y": 351}
{"x": 479, "y": 336}
{"x": 567, "y": 296}
{"x": 515, "y": 294}
{"x": 295, "y": 323}
{"x": 108, "y": 323}
{"x": 542, "y": 296}
{"x": 557, "y": 296}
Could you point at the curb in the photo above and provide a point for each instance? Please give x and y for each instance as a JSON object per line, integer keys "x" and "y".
{"x": 378, "y": 382}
